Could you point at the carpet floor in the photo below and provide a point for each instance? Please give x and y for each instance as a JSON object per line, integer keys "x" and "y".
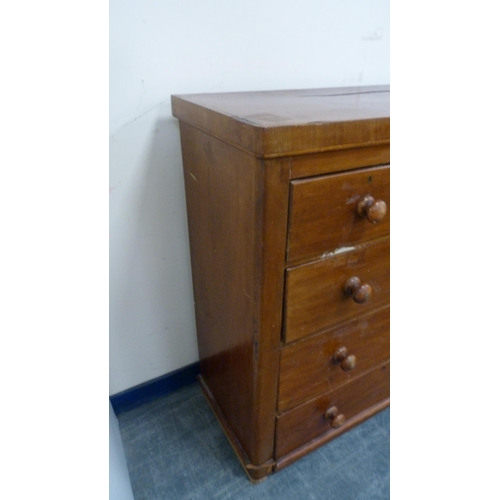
{"x": 176, "y": 449}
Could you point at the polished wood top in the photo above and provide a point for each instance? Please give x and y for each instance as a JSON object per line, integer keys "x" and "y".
{"x": 291, "y": 122}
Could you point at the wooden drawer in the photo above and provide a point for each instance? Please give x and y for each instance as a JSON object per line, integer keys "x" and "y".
{"x": 314, "y": 293}
{"x": 309, "y": 367}
{"x": 308, "y": 421}
{"x": 324, "y": 212}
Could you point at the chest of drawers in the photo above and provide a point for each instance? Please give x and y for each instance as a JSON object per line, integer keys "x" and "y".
{"x": 288, "y": 211}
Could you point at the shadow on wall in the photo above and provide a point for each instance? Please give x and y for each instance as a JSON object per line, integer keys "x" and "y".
{"x": 152, "y": 327}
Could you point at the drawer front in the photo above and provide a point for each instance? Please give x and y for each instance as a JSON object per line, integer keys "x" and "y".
{"x": 308, "y": 421}
{"x": 324, "y": 212}
{"x": 315, "y": 297}
{"x": 328, "y": 360}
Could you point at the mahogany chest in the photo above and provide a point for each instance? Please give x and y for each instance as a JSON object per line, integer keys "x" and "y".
{"x": 288, "y": 211}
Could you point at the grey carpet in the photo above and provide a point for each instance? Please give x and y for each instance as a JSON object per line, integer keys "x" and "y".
{"x": 176, "y": 450}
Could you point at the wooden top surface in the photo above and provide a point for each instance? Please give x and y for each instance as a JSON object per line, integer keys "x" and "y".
{"x": 279, "y": 123}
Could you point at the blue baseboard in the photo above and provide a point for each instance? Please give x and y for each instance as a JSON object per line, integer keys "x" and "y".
{"x": 149, "y": 391}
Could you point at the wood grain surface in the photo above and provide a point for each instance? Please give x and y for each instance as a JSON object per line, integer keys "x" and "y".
{"x": 315, "y": 297}
{"x": 283, "y": 123}
{"x": 324, "y": 216}
{"x": 341, "y": 160}
{"x": 237, "y": 216}
{"x": 290, "y": 279}
{"x": 307, "y": 421}
{"x": 308, "y": 367}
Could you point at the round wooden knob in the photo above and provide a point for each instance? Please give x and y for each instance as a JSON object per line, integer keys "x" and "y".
{"x": 332, "y": 412}
{"x": 347, "y": 361}
{"x": 337, "y": 419}
{"x": 360, "y": 292}
{"x": 373, "y": 210}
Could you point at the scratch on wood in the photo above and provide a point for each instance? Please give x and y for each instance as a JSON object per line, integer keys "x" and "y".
{"x": 337, "y": 251}
{"x": 193, "y": 176}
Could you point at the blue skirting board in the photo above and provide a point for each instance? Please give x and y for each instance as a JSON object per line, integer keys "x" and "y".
{"x": 148, "y": 391}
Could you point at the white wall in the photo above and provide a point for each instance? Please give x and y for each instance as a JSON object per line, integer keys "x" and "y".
{"x": 159, "y": 48}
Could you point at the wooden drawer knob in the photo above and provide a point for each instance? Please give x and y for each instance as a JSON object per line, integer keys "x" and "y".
{"x": 360, "y": 292}
{"x": 373, "y": 210}
{"x": 347, "y": 361}
{"x": 337, "y": 419}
